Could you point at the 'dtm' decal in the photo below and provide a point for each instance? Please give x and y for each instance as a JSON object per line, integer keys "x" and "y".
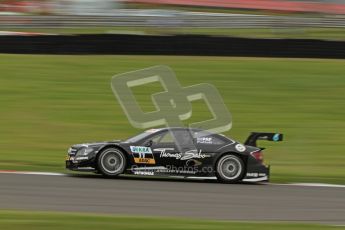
{"x": 142, "y": 155}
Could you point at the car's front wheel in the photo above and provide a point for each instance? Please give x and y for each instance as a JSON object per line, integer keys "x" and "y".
{"x": 230, "y": 169}
{"x": 111, "y": 162}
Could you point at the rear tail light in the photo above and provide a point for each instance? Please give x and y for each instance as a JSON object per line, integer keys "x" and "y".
{"x": 258, "y": 155}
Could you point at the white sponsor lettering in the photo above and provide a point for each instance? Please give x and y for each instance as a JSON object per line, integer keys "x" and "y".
{"x": 204, "y": 140}
{"x": 193, "y": 154}
{"x": 252, "y": 174}
{"x": 141, "y": 150}
{"x": 144, "y": 173}
{"x": 256, "y": 174}
{"x": 81, "y": 158}
{"x": 182, "y": 156}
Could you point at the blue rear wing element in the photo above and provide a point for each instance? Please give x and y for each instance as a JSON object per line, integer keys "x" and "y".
{"x": 254, "y": 136}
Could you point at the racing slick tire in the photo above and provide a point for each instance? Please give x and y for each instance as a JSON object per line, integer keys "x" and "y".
{"x": 111, "y": 162}
{"x": 230, "y": 169}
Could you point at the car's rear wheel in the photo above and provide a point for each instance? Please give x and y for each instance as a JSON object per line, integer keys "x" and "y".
{"x": 230, "y": 169}
{"x": 111, "y": 162}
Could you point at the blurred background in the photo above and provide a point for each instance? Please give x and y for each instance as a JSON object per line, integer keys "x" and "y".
{"x": 321, "y": 19}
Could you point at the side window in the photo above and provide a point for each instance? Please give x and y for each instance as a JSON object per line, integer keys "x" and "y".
{"x": 184, "y": 138}
{"x": 167, "y": 138}
{"x": 164, "y": 137}
{"x": 157, "y": 138}
{"x": 217, "y": 140}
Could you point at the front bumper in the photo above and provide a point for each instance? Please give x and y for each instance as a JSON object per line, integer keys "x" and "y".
{"x": 85, "y": 166}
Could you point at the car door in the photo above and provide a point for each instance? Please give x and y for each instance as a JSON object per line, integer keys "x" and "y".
{"x": 172, "y": 149}
{"x": 164, "y": 149}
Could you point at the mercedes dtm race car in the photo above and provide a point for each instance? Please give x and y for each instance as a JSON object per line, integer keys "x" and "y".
{"x": 176, "y": 152}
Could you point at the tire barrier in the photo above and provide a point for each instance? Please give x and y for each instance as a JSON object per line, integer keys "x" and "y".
{"x": 171, "y": 45}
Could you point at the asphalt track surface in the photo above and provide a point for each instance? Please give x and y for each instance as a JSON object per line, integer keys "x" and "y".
{"x": 173, "y": 198}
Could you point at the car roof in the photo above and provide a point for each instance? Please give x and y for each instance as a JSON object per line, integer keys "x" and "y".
{"x": 173, "y": 128}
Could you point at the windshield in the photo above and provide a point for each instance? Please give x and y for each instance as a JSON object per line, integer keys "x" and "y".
{"x": 138, "y": 137}
{"x": 141, "y": 135}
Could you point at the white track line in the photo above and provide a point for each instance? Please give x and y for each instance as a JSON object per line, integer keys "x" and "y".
{"x": 31, "y": 173}
{"x": 317, "y": 185}
{"x": 64, "y": 174}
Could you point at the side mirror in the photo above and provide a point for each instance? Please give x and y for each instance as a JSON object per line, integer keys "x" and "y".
{"x": 148, "y": 143}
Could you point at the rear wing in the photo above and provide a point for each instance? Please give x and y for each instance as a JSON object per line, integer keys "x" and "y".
{"x": 254, "y": 136}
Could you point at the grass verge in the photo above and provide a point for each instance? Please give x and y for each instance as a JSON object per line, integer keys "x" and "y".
{"x": 18, "y": 220}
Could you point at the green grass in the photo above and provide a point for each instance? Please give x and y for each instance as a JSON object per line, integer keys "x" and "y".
{"x": 48, "y": 103}
{"x": 298, "y": 33}
{"x": 13, "y": 220}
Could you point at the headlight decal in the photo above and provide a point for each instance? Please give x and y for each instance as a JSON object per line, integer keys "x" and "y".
{"x": 84, "y": 151}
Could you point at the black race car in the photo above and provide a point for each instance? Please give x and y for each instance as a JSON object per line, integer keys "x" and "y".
{"x": 176, "y": 152}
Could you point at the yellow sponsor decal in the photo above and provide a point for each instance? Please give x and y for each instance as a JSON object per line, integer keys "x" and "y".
{"x": 144, "y": 161}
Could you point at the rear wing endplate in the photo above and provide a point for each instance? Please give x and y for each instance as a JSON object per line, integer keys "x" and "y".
{"x": 254, "y": 136}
